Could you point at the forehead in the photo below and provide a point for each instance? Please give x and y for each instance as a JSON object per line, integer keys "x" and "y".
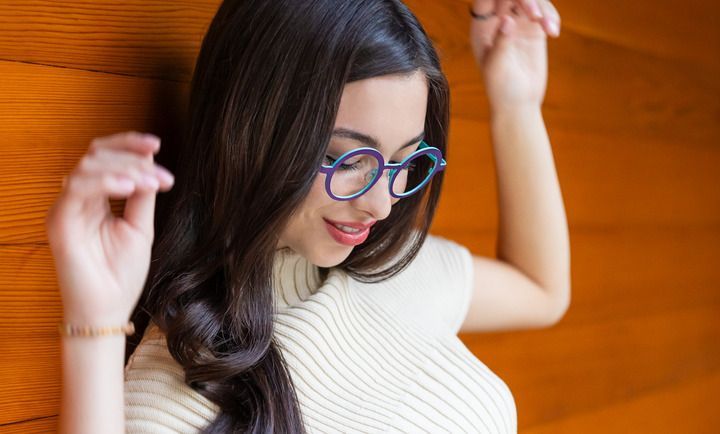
{"x": 391, "y": 108}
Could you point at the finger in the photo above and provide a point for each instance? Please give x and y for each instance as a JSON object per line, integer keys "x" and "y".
{"x": 551, "y": 18}
{"x": 532, "y": 9}
{"x": 484, "y": 32}
{"x": 140, "y": 211}
{"x": 522, "y": 11}
{"x": 128, "y": 140}
{"x": 508, "y": 25}
{"x": 95, "y": 186}
{"x": 135, "y": 167}
{"x": 87, "y": 187}
{"x": 505, "y": 21}
{"x": 141, "y": 170}
{"x": 484, "y": 6}
{"x": 90, "y": 185}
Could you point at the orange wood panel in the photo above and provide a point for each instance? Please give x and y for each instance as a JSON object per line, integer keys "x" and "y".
{"x": 33, "y": 426}
{"x": 685, "y": 407}
{"x": 49, "y": 116}
{"x": 576, "y": 368}
{"x": 632, "y": 109}
{"x": 123, "y": 37}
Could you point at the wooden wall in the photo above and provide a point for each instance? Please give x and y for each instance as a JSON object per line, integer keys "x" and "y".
{"x": 632, "y": 109}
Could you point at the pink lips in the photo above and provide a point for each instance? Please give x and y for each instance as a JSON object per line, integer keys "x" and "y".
{"x": 349, "y": 239}
{"x": 354, "y": 224}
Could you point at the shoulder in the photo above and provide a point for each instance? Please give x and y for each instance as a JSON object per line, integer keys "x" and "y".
{"x": 447, "y": 267}
{"x": 445, "y": 252}
{"x": 442, "y": 260}
{"x": 156, "y": 395}
{"x": 433, "y": 290}
{"x": 452, "y": 267}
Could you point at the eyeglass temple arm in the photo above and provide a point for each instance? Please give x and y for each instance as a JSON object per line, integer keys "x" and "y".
{"x": 442, "y": 163}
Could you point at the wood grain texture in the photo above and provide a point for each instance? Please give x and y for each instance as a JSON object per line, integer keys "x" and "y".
{"x": 137, "y": 38}
{"x": 41, "y": 425}
{"x": 632, "y": 110}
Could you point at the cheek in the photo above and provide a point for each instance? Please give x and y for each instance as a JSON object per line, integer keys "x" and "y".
{"x": 318, "y": 197}
{"x": 317, "y": 200}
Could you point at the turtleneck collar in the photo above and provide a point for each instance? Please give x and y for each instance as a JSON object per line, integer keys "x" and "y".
{"x": 294, "y": 277}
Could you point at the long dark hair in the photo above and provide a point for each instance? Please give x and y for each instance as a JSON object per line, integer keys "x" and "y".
{"x": 263, "y": 101}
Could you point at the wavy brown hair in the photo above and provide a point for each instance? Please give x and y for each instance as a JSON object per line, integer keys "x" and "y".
{"x": 263, "y": 100}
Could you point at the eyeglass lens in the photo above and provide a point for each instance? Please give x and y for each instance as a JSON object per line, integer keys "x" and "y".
{"x": 355, "y": 173}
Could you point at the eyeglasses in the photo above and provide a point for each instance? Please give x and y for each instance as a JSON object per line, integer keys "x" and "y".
{"x": 345, "y": 180}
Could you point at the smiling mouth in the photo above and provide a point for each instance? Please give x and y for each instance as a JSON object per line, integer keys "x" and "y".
{"x": 347, "y": 235}
{"x": 351, "y": 227}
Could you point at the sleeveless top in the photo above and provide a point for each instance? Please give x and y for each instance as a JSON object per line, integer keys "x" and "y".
{"x": 363, "y": 357}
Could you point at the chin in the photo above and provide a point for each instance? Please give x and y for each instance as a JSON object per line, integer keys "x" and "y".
{"x": 331, "y": 258}
{"x": 319, "y": 250}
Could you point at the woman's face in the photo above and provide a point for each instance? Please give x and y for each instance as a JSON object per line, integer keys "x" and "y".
{"x": 391, "y": 109}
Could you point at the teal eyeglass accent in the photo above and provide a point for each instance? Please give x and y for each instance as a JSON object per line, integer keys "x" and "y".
{"x": 394, "y": 168}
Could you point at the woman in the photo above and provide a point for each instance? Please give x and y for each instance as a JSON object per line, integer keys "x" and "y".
{"x": 293, "y": 286}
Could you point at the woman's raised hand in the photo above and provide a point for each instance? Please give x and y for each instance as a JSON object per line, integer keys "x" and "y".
{"x": 510, "y": 47}
{"x": 102, "y": 261}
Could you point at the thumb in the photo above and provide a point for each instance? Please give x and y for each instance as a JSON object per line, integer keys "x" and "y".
{"x": 140, "y": 208}
{"x": 507, "y": 26}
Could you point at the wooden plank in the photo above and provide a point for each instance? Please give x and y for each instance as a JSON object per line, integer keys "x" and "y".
{"x": 621, "y": 273}
{"x": 644, "y": 81}
{"x": 41, "y": 425}
{"x": 119, "y": 36}
{"x": 31, "y": 371}
{"x": 687, "y": 407}
{"x": 50, "y": 115}
{"x": 573, "y": 369}
{"x": 605, "y": 182}
{"x": 153, "y": 39}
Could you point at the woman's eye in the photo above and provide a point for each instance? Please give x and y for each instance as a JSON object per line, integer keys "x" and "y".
{"x": 410, "y": 167}
{"x": 351, "y": 166}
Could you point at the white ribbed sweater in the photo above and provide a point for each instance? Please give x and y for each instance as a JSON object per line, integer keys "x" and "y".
{"x": 381, "y": 357}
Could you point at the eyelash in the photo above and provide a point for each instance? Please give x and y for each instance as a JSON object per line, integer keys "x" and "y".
{"x": 410, "y": 167}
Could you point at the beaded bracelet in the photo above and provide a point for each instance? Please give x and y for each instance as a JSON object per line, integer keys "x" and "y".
{"x": 75, "y": 330}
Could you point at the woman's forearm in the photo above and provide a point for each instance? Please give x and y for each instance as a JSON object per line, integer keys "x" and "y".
{"x": 92, "y": 399}
{"x": 533, "y": 231}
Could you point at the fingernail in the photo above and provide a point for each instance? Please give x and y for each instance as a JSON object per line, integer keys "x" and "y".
{"x": 554, "y": 28}
{"x": 151, "y": 138}
{"x": 165, "y": 174}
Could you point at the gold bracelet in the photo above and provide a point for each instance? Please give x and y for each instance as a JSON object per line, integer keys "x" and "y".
{"x": 75, "y": 330}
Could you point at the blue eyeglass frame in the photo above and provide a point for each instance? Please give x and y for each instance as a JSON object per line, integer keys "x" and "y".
{"x": 434, "y": 153}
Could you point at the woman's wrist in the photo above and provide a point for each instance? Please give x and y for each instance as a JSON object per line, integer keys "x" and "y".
{"x": 67, "y": 329}
{"x": 74, "y": 324}
{"x": 510, "y": 111}
{"x": 82, "y": 317}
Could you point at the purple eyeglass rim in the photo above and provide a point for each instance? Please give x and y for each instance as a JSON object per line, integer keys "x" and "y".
{"x": 423, "y": 148}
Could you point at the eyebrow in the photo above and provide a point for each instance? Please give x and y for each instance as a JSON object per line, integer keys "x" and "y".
{"x": 370, "y": 140}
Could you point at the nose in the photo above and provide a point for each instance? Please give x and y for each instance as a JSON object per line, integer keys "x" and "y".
{"x": 377, "y": 201}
